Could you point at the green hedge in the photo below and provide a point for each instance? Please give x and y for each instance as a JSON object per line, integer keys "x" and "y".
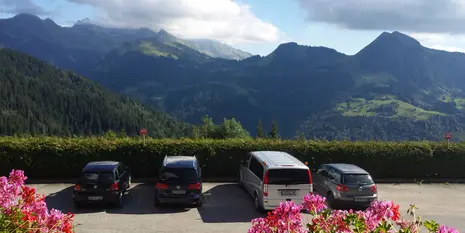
{"x": 48, "y": 157}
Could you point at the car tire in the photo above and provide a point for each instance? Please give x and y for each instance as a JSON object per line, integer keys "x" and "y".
{"x": 257, "y": 205}
{"x": 199, "y": 203}
{"x": 119, "y": 202}
{"x": 330, "y": 200}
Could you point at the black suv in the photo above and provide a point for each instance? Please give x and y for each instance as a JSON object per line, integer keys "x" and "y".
{"x": 179, "y": 181}
{"x": 103, "y": 181}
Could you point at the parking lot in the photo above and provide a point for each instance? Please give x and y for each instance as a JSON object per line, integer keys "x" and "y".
{"x": 227, "y": 208}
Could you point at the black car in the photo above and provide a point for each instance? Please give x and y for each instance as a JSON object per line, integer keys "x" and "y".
{"x": 179, "y": 181}
{"x": 102, "y": 181}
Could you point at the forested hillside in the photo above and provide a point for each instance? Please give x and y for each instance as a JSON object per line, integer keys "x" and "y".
{"x": 393, "y": 89}
{"x": 38, "y": 99}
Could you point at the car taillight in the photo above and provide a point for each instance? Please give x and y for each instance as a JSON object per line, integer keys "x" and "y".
{"x": 374, "y": 188}
{"x": 265, "y": 184}
{"x": 342, "y": 188}
{"x": 196, "y": 186}
{"x": 162, "y": 186}
{"x": 114, "y": 187}
{"x": 310, "y": 179}
{"x": 77, "y": 187}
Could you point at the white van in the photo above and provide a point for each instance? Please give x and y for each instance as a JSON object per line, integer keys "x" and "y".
{"x": 272, "y": 177}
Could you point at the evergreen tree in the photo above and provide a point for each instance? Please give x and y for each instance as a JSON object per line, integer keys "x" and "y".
{"x": 274, "y": 130}
{"x": 259, "y": 129}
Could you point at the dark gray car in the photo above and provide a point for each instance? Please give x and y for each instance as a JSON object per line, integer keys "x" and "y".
{"x": 345, "y": 185}
{"x": 179, "y": 181}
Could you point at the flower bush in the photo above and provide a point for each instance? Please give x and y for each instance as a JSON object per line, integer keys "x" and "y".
{"x": 380, "y": 217}
{"x": 23, "y": 210}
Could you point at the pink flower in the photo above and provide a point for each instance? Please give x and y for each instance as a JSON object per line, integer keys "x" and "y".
{"x": 19, "y": 201}
{"x": 260, "y": 225}
{"x": 446, "y": 229}
{"x": 314, "y": 203}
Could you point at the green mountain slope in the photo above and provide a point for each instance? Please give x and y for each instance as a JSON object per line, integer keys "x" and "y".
{"x": 216, "y": 49}
{"x": 36, "y": 98}
{"x": 394, "y": 80}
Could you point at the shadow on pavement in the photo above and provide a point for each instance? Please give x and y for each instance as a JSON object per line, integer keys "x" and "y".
{"x": 140, "y": 200}
{"x": 227, "y": 203}
{"x": 63, "y": 201}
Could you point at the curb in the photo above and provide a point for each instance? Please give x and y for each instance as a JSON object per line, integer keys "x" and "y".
{"x": 233, "y": 180}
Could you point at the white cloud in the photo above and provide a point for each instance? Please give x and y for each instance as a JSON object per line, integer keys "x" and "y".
{"x": 223, "y": 20}
{"x": 447, "y": 42}
{"x": 426, "y": 16}
{"x": 21, "y": 6}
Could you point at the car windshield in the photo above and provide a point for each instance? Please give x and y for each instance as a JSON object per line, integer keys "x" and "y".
{"x": 357, "y": 179}
{"x": 104, "y": 177}
{"x": 288, "y": 176}
{"x": 184, "y": 175}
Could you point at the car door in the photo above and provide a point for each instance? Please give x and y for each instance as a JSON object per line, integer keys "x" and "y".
{"x": 332, "y": 180}
{"x": 323, "y": 181}
{"x": 256, "y": 176}
{"x": 318, "y": 179}
{"x": 244, "y": 172}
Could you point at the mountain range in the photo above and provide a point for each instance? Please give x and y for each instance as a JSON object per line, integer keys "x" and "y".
{"x": 393, "y": 89}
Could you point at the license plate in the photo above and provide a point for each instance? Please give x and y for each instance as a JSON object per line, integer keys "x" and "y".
{"x": 95, "y": 198}
{"x": 179, "y": 192}
{"x": 360, "y": 200}
{"x": 288, "y": 192}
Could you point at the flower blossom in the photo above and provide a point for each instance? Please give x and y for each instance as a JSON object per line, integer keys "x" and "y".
{"x": 25, "y": 209}
{"x": 314, "y": 203}
{"x": 446, "y": 229}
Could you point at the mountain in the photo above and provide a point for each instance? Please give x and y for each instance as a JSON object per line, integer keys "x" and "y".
{"x": 217, "y": 49}
{"x": 38, "y": 99}
{"x": 84, "y": 44}
{"x": 76, "y": 47}
{"x": 394, "y": 89}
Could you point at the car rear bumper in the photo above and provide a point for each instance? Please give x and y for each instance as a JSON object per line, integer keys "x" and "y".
{"x": 106, "y": 197}
{"x": 362, "y": 201}
{"x": 271, "y": 204}
{"x": 179, "y": 200}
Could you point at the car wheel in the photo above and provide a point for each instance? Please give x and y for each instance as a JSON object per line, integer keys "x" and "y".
{"x": 119, "y": 202}
{"x": 256, "y": 203}
{"x": 199, "y": 203}
{"x": 330, "y": 200}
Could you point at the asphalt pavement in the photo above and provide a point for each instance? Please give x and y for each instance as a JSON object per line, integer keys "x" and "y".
{"x": 227, "y": 208}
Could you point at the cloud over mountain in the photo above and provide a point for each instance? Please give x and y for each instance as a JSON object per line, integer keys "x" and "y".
{"x": 20, "y": 6}
{"x": 224, "y": 20}
{"x": 426, "y": 16}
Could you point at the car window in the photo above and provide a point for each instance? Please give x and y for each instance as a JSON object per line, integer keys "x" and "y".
{"x": 246, "y": 160}
{"x": 357, "y": 179}
{"x": 105, "y": 177}
{"x": 333, "y": 175}
{"x": 288, "y": 176}
{"x": 170, "y": 175}
{"x": 256, "y": 167}
{"x": 121, "y": 169}
{"x": 322, "y": 171}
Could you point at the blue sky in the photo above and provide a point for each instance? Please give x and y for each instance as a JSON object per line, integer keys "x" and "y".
{"x": 259, "y": 26}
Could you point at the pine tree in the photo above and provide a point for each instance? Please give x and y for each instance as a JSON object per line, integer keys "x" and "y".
{"x": 274, "y": 131}
{"x": 259, "y": 129}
